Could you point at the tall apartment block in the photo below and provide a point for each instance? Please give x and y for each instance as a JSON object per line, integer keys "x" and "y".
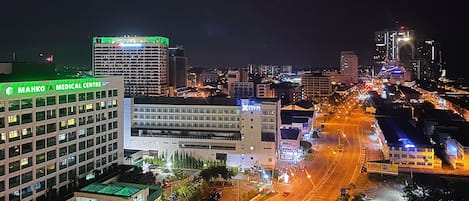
{"x": 141, "y": 61}
{"x": 57, "y": 134}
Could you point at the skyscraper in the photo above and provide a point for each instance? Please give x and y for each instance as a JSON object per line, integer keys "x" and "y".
{"x": 177, "y": 67}
{"x": 395, "y": 52}
{"x": 142, "y": 61}
{"x": 389, "y": 45}
{"x": 348, "y": 67}
{"x": 431, "y": 62}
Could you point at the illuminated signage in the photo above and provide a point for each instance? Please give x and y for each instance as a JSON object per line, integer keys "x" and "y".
{"x": 129, "y": 45}
{"x": 131, "y": 40}
{"x": 250, "y": 106}
{"x": 29, "y": 88}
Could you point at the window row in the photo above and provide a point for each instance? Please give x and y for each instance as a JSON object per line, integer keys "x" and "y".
{"x": 188, "y": 110}
{"x": 26, "y": 103}
{"x": 184, "y": 117}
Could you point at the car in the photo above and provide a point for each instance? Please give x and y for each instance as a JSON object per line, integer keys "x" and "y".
{"x": 285, "y": 194}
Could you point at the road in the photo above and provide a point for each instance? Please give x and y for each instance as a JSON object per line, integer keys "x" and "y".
{"x": 346, "y": 124}
{"x": 330, "y": 169}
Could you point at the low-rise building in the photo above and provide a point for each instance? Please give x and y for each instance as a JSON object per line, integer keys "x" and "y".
{"x": 289, "y": 146}
{"x": 133, "y": 157}
{"x": 403, "y": 144}
{"x": 117, "y": 192}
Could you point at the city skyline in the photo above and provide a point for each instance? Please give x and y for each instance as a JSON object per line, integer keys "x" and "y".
{"x": 300, "y": 33}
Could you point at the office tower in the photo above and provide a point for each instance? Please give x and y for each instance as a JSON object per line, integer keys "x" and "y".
{"x": 142, "y": 61}
{"x": 348, "y": 67}
{"x": 395, "y": 52}
{"x": 56, "y": 135}
{"x": 232, "y": 76}
{"x": 316, "y": 85}
{"x": 177, "y": 67}
{"x": 389, "y": 45}
{"x": 430, "y": 58}
{"x": 242, "y": 90}
{"x": 241, "y": 132}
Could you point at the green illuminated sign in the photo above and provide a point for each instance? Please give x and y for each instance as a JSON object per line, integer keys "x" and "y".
{"x": 29, "y": 88}
{"x": 127, "y": 40}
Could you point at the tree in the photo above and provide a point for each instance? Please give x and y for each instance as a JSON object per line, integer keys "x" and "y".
{"x": 359, "y": 197}
{"x": 416, "y": 192}
{"x": 215, "y": 172}
{"x": 305, "y": 145}
{"x": 137, "y": 176}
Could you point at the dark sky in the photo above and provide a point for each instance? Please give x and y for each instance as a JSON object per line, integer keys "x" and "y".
{"x": 230, "y": 33}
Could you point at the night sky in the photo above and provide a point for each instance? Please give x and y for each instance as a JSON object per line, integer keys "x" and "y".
{"x": 231, "y": 33}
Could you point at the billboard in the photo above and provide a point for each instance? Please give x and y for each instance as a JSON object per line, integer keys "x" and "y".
{"x": 382, "y": 168}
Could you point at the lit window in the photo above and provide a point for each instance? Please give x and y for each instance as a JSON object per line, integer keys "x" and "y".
{"x": 89, "y": 106}
{"x": 13, "y": 134}
{"x": 12, "y": 118}
{"x": 71, "y": 122}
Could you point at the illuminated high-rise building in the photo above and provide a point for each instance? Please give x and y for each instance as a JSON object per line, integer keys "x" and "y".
{"x": 141, "y": 61}
{"x": 57, "y": 135}
{"x": 395, "y": 52}
{"x": 348, "y": 67}
{"x": 430, "y": 58}
{"x": 177, "y": 67}
{"x": 389, "y": 44}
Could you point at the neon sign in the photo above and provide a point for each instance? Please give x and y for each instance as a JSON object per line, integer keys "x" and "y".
{"x": 145, "y": 39}
{"x": 129, "y": 45}
{"x": 29, "y": 88}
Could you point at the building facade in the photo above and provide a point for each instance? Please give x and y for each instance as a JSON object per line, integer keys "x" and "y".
{"x": 242, "y": 90}
{"x": 241, "y": 132}
{"x": 316, "y": 85}
{"x": 264, "y": 91}
{"x": 56, "y": 134}
{"x": 141, "y": 61}
{"x": 430, "y": 60}
{"x": 178, "y": 67}
{"x": 348, "y": 67}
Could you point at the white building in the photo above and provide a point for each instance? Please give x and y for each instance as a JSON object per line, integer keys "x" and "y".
{"x": 403, "y": 145}
{"x": 242, "y": 132}
{"x": 54, "y": 134}
{"x": 142, "y": 61}
{"x": 289, "y": 144}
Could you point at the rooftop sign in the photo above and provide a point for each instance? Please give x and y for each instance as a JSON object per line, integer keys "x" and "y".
{"x": 35, "y": 87}
{"x": 131, "y": 40}
{"x": 249, "y": 105}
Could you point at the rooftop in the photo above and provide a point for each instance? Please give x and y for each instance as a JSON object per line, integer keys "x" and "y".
{"x": 295, "y": 116}
{"x": 400, "y": 132}
{"x": 128, "y": 152}
{"x": 195, "y": 100}
{"x": 289, "y": 133}
{"x": 111, "y": 189}
{"x": 121, "y": 189}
